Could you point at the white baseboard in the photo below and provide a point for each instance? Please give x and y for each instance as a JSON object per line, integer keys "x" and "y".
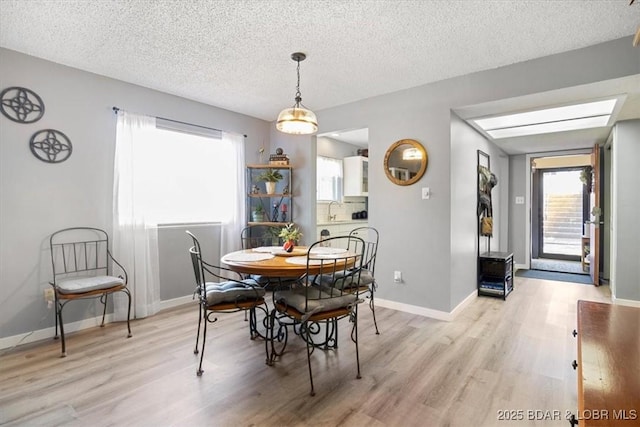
{"x": 428, "y": 312}
{"x": 170, "y": 303}
{"x": 48, "y": 333}
{"x": 627, "y": 302}
{"x": 517, "y": 267}
{"x": 465, "y": 302}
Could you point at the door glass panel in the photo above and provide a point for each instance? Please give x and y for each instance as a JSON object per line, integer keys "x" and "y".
{"x": 561, "y": 213}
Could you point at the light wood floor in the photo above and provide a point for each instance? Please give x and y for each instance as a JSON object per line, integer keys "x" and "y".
{"x": 497, "y": 355}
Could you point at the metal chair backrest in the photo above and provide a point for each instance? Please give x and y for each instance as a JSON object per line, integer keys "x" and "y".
{"x": 255, "y": 236}
{"x": 196, "y": 258}
{"x": 334, "y": 266}
{"x": 80, "y": 251}
{"x": 371, "y": 238}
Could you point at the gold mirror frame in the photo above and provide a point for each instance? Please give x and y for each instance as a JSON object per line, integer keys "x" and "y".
{"x": 391, "y": 154}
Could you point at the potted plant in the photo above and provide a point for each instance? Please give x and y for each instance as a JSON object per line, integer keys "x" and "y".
{"x": 270, "y": 178}
{"x": 258, "y": 214}
{"x": 290, "y": 235}
{"x": 586, "y": 177}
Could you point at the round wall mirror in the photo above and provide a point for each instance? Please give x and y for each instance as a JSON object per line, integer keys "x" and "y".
{"x": 405, "y": 162}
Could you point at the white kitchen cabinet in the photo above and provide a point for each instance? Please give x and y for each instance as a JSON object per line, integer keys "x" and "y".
{"x": 356, "y": 176}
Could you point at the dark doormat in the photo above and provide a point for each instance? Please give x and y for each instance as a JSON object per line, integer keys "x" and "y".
{"x": 558, "y": 277}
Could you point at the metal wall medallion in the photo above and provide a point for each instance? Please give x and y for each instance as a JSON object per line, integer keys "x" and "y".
{"x": 51, "y": 146}
{"x": 21, "y": 105}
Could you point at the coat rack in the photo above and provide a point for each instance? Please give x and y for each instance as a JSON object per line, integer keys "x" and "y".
{"x": 483, "y": 159}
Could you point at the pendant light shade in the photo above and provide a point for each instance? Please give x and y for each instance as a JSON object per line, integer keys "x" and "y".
{"x": 297, "y": 120}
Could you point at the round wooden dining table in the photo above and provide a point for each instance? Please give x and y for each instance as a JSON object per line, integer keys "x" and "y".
{"x": 275, "y": 263}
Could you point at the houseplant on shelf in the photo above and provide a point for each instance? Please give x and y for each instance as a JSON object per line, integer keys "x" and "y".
{"x": 270, "y": 178}
{"x": 258, "y": 214}
{"x": 290, "y": 235}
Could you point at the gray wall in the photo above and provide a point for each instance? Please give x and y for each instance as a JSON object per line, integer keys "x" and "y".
{"x": 519, "y": 214}
{"x": 416, "y": 234}
{"x": 38, "y": 198}
{"x": 625, "y": 265}
{"x": 176, "y": 271}
{"x": 465, "y": 141}
{"x": 329, "y": 147}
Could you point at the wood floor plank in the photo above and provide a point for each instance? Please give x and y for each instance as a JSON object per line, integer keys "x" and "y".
{"x": 495, "y": 356}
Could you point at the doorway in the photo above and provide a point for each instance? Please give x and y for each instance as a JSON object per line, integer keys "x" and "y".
{"x": 560, "y": 202}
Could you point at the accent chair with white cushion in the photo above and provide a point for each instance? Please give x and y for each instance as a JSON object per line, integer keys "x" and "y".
{"x": 83, "y": 268}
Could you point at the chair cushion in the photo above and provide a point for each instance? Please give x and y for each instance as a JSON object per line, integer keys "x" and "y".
{"x": 233, "y": 291}
{"x": 260, "y": 280}
{"x": 316, "y": 303}
{"x": 344, "y": 280}
{"x": 86, "y": 284}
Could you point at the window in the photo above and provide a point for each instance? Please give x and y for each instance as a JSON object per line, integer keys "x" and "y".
{"x": 329, "y": 179}
{"x": 185, "y": 177}
{"x": 557, "y": 119}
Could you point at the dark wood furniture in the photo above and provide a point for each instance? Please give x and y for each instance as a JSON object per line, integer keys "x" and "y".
{"x": 495, "y": 274}
{"x": 608, "y": 365}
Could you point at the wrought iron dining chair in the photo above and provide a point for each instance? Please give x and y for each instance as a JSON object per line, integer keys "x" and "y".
{"x": 224, "y": 296}
{"x": 365, "y": 283}
{"x": 367, "y": 280}
{"x": 309, "y": 303}
{"x": 255, "y": 236}
{"x": 84, "y": 268}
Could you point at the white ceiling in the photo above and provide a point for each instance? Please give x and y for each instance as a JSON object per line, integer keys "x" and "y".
{"x": 235, "y": 54}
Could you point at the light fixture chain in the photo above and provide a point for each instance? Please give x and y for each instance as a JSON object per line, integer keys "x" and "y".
{"x": 297, "y": 120}
{"x": 298, "y": 94}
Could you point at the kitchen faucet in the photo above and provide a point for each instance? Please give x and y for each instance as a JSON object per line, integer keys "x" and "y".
{"x": 332, "y": 217}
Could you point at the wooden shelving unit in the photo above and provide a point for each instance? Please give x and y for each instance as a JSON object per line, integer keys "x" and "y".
{"x": 272, "y": 204}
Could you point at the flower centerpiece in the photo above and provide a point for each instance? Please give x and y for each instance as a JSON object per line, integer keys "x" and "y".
{"x": 291, "y": 235}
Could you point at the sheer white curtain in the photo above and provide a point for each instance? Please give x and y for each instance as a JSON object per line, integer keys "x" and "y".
{"x": 231, "y": 228}
{"x": 135, "y": 240}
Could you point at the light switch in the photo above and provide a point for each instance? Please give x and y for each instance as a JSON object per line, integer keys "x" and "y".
{"x": 519, "y": 200}
{"x": 397, "y": 276}
{"x": 426, "y": 192}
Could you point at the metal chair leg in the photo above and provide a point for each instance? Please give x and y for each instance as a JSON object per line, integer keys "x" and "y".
{"x": 373, "y": 310}
{"x": 204, "y": 341}
{"x": 64, "y": 347}
{"x": 355, "y": 329}
{"x": 195, "y": 350}
{"x": 104, "y": 298}
{"x": 55, "y": 302}
{"x": 313, "y": 393}
{"x": 129, "y": 335}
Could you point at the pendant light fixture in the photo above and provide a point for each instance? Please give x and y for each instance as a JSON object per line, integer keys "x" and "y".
{"x": 297, "y": 120}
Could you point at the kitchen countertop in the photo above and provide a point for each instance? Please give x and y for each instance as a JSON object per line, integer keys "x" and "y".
{"x": 340, "y": 222}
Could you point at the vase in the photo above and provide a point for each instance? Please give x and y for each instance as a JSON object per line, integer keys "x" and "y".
{"x": 288, "y": 246}
{"x": 270, "y": 186}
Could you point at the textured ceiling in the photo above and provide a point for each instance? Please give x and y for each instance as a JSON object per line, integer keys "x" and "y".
{"x": 235, "y": 54}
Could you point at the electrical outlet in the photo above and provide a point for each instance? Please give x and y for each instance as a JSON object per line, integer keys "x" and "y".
{"x": 48, "y": 295}
{"x": 397, "y": 276}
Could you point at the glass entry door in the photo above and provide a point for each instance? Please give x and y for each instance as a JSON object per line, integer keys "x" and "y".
{"x": 560, "y": 214}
